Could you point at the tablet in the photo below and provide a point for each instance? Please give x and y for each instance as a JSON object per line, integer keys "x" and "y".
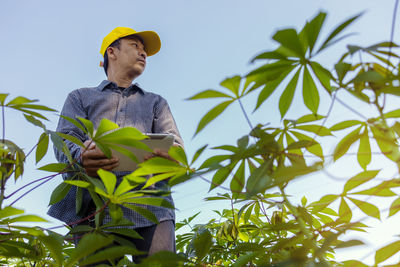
{"x": 155, "y": 141}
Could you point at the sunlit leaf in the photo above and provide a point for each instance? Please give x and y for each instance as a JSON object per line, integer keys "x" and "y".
{"x": 233, "y": 84}
{"x": 209, "y": 94}
{"x": 109, "y": 180}
{"x": 42, "y": 146}
{"x": 345, "y": 213}
{"x": 345, "y": 124}
{"x": 105, "y": 126}
{"x": 394, "y": 207}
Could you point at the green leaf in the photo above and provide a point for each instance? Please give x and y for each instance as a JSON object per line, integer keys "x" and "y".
{"x": 309, "y": 118}
{"x": 310, "y": 92}
{"x": 144, "y": 212}
{"x": 269, "y": 55}
{"x": 259, "y": 180}
{"x": 289, "y": 39}
{"x": 368, "y": 76}
{"x": 212, "y": 114}
{"x": 336, "y": 31}
{"x": 54, "y": 167}
{"x": 209, "y": 94}
{"x": 109, "y": 253}
{"x": 178, "y": 153}
{"x": 54, "y": 242}
{"x": 341, "y": 69}
{"x": 287, "y": 96}
{"x": 59, "y": 193}
{"x": 313, "y": 128}
{"x": 220, "y": 176}
{"x": 3, "y": 98}
{"x": 232, "y": 84}
{"x": 19, "y": 100}
{"x": 74, "y": 122}
{"x": 123, "y": 187}
{"x": 87, "y": 245}
{"x": 393, "y": 114}
{"x": 125, "y": 232}
{"x": 323, "y": 75}
{"x": 78, "y": 183}
{"x": 367, "y": 208}
{"x": 157, "y": 165}
{"x": 315, "y": 149}
{"x": 287, "y": 173}
{"x": 88, "y": 125}
{"x": 9, "y": 211}
{"x": 27, "y": 218}
{"x": 349, "y": 243}
{"x": 359, "y": 179}
{"x": 386, "y": 141}
{"x": 270, "y": 87}
{"x": 364, "y": 150}
{"x": 378, "y": 191}
{"x": 202, "y": 243}
{"x": 300, "y": 144}
{"x": 345, "y": 213}
{"x": 152, "y": 201}
{"x": 34, "y": 121}
{"x": 72, "y": 139}
{"x": 238, "y": 180}
{"x": 313, "y": 28}
{"x": 344, "y": 125}
{"x": 354, "y": 263}
{"x": 105, "y": 126}
{"x": 387, "y": 251}
{"x": 198, "y": 153}
{"x": 394, "y": 207}
{"x": 42, "y": 146}
{"x": 109, "y": 180}
{"x": 345, "y": 143}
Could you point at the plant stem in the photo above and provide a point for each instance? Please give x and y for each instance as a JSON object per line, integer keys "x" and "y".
{"x": 245, "y": 114}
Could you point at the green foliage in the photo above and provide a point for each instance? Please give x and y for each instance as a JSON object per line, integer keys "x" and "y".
{"x": 265, "y": 226}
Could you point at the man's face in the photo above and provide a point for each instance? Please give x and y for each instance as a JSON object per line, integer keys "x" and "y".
{"x": 131, "y": 56}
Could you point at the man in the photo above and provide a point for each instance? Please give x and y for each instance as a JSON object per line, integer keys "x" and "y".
{"x": 125, "y": 52}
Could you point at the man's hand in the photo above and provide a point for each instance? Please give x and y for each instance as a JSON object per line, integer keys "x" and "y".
{"x": 93, "y": 159}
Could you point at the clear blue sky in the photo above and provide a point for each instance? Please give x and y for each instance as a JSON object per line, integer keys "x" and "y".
{"x": 51, "y": 47}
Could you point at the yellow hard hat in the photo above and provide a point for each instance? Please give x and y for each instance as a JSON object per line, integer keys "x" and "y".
{"x": 152, "y": 42}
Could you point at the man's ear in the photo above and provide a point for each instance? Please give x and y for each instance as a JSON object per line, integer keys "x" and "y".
{"x": 111, "y": 52}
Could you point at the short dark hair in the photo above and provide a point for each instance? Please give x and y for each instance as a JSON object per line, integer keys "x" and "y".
{"x": 117, "y": 44}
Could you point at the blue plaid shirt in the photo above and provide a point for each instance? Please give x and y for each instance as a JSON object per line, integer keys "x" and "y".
{"x": 131, "y": 106}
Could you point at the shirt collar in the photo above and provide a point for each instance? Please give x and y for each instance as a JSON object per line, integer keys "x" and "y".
{"x": 109, "y": 84}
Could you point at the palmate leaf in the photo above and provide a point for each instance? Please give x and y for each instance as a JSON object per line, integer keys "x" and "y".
{"x": 287, "y": 96}
{"x": 310, "y": 92}
{"x": 259, "y": 180}
{"x": 238, "y": 179}
{"x": 198, "y": 153}
{"x": 386, "y": 141}
{"x": 105, "y": 126}
{"x": 319, "y": 130}
{"x": 345, "y": 124}
{"x": 59, "y": 193}
{"x": 212, "y": 114}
